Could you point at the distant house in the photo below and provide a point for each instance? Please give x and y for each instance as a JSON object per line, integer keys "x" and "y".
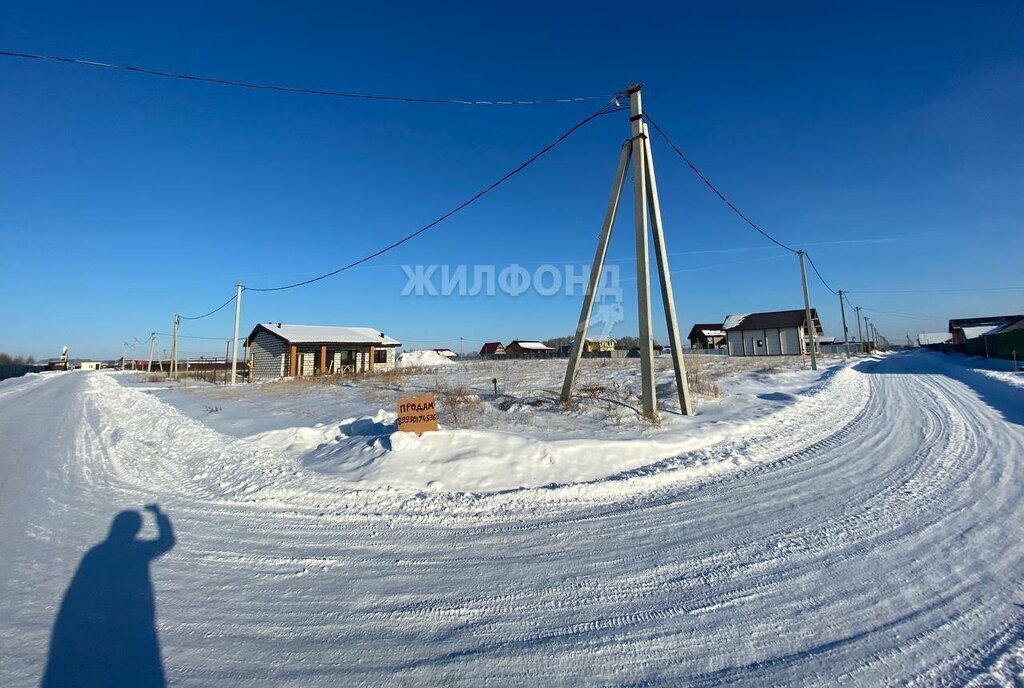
{"x": 492, "y": 349}
{"x": 963, "y": 329}
{"x": 593, "y": 346}
{"x": 528, "y": 347}
{"x": 280, "y": 350}
{"x": 447, "y": 353}
{"x": 707, "y": 336}
{"x": 90, "y": 365}
{"x": 933, "y": 338}
{"x": 775, "y": 333}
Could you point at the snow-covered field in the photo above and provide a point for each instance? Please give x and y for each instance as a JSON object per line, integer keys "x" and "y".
{"x": 859, "y": 525}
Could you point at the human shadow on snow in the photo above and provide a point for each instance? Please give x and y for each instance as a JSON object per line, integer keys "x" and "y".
{"x": 1006, "y": 399}
{"x": 105, "y": 632}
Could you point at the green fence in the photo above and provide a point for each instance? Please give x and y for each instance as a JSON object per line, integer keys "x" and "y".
{"x": 997, "y": 345}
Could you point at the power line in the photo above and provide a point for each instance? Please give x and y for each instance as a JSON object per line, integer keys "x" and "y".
{"x": 606, "y": 109}
{"x": 913, "y": 316}
{"x": 204, "y": 315}
{"x": 815, "y": 267}
{"x": 192, "y": 336}
{"x": 711, "y": 186}
{"x": 931, "y": 291}
{"x": 291, "y": 89}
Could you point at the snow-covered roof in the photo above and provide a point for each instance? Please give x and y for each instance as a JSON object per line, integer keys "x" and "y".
{"x": 537, "y": 346}
{"x": 972, "y": 332}
{"x": 826, "y": 340}
{"x": 307, "y": 334}
{"x": 713, "y": 333}
{"x": 925, "y": 338}
{"x": 446, "y": 352}
{"x": 771, "y": 320}
{"x": 732, "y": 321}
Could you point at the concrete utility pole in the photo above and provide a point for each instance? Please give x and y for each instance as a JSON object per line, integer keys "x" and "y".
{"x": 135, "y": 340}
{"x": 645, "y": 195}
{"x": 152, "y": 346}
{"x": 867, "y": 333}
{"x": 643, "y": 264}
{"x": 234, "y": 342}
{"x": 811, "y": 330}
{"x": 842, "y": 310}
{"x": 860, "y": 335}
{"x": 174, "y": 348}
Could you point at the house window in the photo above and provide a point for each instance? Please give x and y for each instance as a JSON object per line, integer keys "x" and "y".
{"x": 380, "y": 356}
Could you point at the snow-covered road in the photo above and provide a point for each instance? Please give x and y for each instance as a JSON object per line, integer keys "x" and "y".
{"x": 867, "y": 535}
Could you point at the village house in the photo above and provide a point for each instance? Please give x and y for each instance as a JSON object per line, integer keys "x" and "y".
{"x": 963, "y": 329}
{"x": 492, "y": 349}
{"x": 595, "y": 346}
{"x": 604, "y": 347}
{"x": 934, "y": 338}
{"x": 775, "y": 333}
{"x": 280, "y": 350}
{"x": 528, "y": 347}
{"x": 707, "y": 336}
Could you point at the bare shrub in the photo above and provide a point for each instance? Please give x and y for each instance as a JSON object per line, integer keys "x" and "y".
{"x": 458, "y": 405}
{"x": 570, "y": 405}
{"x": 700, "y": 380}
{"x": 593, "y": 390}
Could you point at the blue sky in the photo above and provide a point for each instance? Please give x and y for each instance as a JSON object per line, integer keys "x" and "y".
{"x": 883, "y": 137}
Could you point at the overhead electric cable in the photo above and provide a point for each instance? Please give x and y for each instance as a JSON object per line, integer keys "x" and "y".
{"x": 606, "y": 109}
{"x": 815, "y": 267}
{"x": 711, "y": 186}
{"x": 930, "y": 291}
{"x": 913, "y": 316}
{"x": 291, "y": 89}
{"x": 205, "y": 315}
{"x": 192, "y": 336}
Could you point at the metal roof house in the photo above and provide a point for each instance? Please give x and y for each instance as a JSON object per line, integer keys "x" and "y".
{"x": 964, "y": 329}
{"x": 280, "y": 350}
{"x": 775, "y": 333}
{"x": 707, "y": 336}
{"x": 528, "y": 347}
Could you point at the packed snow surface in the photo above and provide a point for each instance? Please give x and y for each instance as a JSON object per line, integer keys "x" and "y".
{"x": 859, "y": 526}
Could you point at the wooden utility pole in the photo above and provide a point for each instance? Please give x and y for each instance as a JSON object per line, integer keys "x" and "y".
{"x": 842, "y": 310}
{"x": 811, "y": 330}
{"x": 234, "y": 342}
{"x": 645, "y": 196}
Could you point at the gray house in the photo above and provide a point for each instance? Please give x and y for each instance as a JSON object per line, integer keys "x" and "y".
{"x": 776, "y": 333}
{"x": 279, "y": 350}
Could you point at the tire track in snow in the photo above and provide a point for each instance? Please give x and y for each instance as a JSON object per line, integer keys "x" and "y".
{"x": 860, "y": 537}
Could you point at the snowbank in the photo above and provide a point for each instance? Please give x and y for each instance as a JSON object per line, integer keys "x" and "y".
{"x": 368, "y": 452}
{"x": 422, "y": 359}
